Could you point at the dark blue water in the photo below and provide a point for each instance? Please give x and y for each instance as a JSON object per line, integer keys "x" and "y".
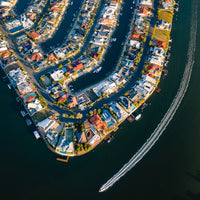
{"x": 64, "y": 27}
{"x": 170, "y": 171}
{"x": 20, "y": 6}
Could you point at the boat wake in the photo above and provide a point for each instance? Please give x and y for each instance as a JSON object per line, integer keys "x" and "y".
{"x": 168, "y": 115}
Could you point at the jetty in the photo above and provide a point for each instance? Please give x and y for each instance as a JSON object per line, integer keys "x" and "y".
{"x": 63, "y": 160}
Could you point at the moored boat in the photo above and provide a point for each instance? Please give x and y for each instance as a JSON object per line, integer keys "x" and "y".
{"x": 37, "y": 135}
{"x": 137, "y": 117}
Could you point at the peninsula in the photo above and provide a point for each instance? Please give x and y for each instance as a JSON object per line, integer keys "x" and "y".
{"x": 70, "y": 122}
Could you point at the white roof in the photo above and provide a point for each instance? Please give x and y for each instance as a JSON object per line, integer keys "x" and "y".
{"x": 46, "y": 124}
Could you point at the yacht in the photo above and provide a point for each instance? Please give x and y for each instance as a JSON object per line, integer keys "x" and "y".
{"x": 138, "y": 117}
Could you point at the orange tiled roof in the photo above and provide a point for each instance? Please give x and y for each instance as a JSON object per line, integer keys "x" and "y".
{"x": 36, "y": 56}
{"x": 34, "y": 35}
{"x": 51, "y": 57}
{"x": 98, "y": 122}
{"x": 143, "y": 11}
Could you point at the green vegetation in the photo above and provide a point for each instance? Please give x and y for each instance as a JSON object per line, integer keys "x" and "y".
{"x": 42, "y": 115}
{"x": 165, "y": 15}
{"x": 161, "y": 35}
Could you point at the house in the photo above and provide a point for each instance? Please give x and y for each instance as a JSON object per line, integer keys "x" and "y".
{"x": 17, "y": 77}
{"x": 25, "y": 88}
{"x": 36, "y": 57}
{"x": 4, "y": 3}
{"x": 108, "y": 22}
{"x": 161, "y": 44}
{"x": 118, "y": 110}
{"x": 57, "y": 75}
{"x": 45, "y": 125}
{"x": 98, "y": 123}
{"x": 64, "y": 147}
{"x": 146, "y": 2}
{"x": 63, "y": 98}
{"x": 81, "y": 138}
{"x": 135, "y": 43}
{"x": 78, "y": 67}
{"x": 52, "y": 137}
{"x": 3, "y": 45}
{"x": 82, "y": 99}
{"x": 59, "y": 53}
{"x": 6, "y": 53}
{"x": 72, "y": 102}
{"x": 156, "y": 60}
{"x": 52, "y": 58}
{"x": 164, "y": 25}
{"x": 167, "y": 4}
{"x": 94, "y": 139}
{"x": 157, "y": 51}
{"x": 105, "y": 88}
{"x": 135, "y": 36}
{"x": 34, "y": 106}
{"x": 34, "y": 35}
{"x": 149, "y": 79}
{"x": 65, "y": 144}
{"x": 8, "y": 60}
{"x": 108, "y": 118}
{"x": 143, "y": 12}
{"x": 126, "y": 104}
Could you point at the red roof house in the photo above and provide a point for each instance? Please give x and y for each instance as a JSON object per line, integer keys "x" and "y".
{"x": 98, "y": 122}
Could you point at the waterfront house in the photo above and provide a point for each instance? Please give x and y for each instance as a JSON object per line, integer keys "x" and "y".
{"x": 126, "y": 104}
{"x": 17, "y": 76}
{"x": 64, "y": 147}
{"x": 45, "y": 125}
{"x": 108, "y": 118}
{"x": 167, "y": 4}
{"x": 53, "y": 134}
{"x": 164, "y": 25}
{"x": 34, "y": 106}
{"x": 98, "y": 123}
{"x": 161, "y": 44}
{"x": 34, "y": 35}
{"x": 146, "y": 2}
{"x": 72, "y": 102}
{"x": 25, "y": 88}
{"x": 118, "y": 110}
{"x": 82, "y": 99}
{"x": 8, "y": 60}
{"x": 81, "y": 138}
{"x": 156, "y": 60}
{"x": 3, "y": 45}
{"x": 156, "y": 51}
{"x": 93, "y": 139}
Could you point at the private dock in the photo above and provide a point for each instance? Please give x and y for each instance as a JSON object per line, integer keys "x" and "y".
{"x": 130, "y": 118}
{"x": 63, "y": 160}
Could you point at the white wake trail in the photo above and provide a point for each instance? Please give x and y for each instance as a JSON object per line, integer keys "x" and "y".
{"x": 169, "y": 114}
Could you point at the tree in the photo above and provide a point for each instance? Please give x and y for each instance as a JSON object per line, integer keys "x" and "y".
{"x": 75, "y": 73}
{"x": 79, "y": 116}
{"x": 91, "y": 113}
{"x": 60, "y": 66}
{"x": 99, "y": 111}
